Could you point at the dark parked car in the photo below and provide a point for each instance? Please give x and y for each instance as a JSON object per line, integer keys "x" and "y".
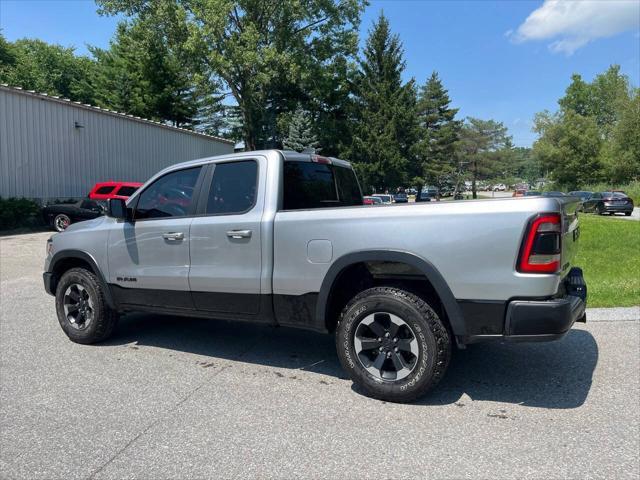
{"x": 608, "y": 202}
{"x": 532, "y": 193}
{"x": 423, "y": 197}
{"x": 401, "y": 197}
{"x": 61, "y": 215}
{"x": 554, "y": 194}
{"x": 427, "y": 194}
{"x": 583, "y": 195}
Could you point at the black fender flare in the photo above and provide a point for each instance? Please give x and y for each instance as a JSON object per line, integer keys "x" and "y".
{"x": 87, "y": 257}
{"x": 430, "y": 272}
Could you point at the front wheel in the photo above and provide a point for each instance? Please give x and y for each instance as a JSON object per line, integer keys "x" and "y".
{"x": 82, "y": 308}
{"x": 627, "y": 214}
{"x": 392, "y": 344}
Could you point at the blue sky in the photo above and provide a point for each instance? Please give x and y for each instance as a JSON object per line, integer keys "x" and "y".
{"x": 504, "y": 60}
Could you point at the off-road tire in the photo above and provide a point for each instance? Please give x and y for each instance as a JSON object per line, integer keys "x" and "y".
{"x": 104, "y": 319}
{"x": 433, "y": 340}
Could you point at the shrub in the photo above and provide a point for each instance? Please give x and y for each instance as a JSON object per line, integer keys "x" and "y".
{"x": 19, "y": 212}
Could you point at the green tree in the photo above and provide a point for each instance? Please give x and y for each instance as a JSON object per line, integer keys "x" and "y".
{"x": 300, "y": 135}
{"x": 625, "y": 144}
{"x": 53, "y": 69}
{"x": 384, "y": 120}
{"x": 439, "y": 133}
{"x": 481, "y": 142}
{"x": 569, "y": 146}
{"x": 603, "y": 108}
{"x": 7, "y": 55}
{"x": 259, "y": 50}
{"x": 149, "y": 73}
{"x": 578, "y": 97}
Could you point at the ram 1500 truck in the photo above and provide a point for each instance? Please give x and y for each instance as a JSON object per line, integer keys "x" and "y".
{"x": 282, "y": 238}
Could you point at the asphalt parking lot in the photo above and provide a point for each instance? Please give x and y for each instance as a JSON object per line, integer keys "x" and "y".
{"x": 171, "y": 397}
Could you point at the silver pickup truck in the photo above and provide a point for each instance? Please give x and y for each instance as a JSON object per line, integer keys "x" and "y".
{"x": 282, "y": 238}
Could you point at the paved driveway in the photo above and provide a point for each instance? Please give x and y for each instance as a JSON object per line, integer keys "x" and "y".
{"x": 171, "y": 397}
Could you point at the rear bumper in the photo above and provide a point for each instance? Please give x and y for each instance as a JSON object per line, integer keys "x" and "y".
{"x": 529, "y": 320}
{"x": 618, "y": 208}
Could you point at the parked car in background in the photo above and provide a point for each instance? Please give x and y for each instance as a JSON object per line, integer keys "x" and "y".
{"x": 107, "y": 190}
{"x": 384, "y": 197}
{"x": 532, "y": 193}
{"x": 608, "y": 202}
{"x": 500, "y": 187}
{"x": 581, "y": 194}
{"x": 371, "y": 201}
{"x": 427, "y": 194}
{"x": 61, "y": 215}
{"x": 519, "y": 193}
{"x": 401, "y": 197}
{"x": 423, "y": 197}
{"x": 554, "y": 194}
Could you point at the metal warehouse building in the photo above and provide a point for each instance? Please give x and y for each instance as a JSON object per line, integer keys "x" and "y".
{"x": 55, "y": 148}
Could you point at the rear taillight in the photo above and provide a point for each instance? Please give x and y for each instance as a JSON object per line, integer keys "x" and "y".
{"x": 541, "y": 248}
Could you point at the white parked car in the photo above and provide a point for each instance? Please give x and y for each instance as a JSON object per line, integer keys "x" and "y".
{"x": 500, "y": 187}
{"x": 384, "y": 197}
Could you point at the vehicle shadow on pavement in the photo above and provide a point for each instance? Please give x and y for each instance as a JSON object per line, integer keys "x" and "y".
{"x": 549, "y": 375}
{"x": 245, "y": 342}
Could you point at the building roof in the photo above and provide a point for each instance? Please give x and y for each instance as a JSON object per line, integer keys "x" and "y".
{"x": 86, "y": 106}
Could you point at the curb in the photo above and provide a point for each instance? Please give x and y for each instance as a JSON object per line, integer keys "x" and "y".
{"x": 615, "y": 314}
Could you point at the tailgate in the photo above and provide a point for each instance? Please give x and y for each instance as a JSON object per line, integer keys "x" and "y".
{"x": 570, "y": 232}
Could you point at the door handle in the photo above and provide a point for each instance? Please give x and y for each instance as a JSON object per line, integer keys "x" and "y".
{"x": 239, "y": 233}
{"x": 173, "y": 236}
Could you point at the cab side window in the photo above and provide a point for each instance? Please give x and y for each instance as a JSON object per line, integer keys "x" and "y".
{"x": 169, "y": 196}
{"x": 233, "y": 188}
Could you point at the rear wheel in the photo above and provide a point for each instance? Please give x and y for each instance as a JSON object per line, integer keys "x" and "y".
{"x": 82, "y": 309}
{"x": 600, "y": 210}
{"x": 61, "y": 222}
{"x": 392, "y": 344}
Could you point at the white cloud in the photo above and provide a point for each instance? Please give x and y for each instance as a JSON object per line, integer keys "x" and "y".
{"x": 574, "y": 23}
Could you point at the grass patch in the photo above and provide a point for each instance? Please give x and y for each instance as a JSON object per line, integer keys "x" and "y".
{"x": 609, "y": 254}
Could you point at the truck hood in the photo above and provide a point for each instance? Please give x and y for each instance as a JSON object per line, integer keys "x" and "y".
{"x": 86, "y": 225}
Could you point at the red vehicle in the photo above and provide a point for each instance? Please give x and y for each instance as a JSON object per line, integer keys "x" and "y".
{"x": 107, "y": 190}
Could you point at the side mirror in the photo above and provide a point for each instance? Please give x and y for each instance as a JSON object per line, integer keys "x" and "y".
{"x": 117, "y": 208}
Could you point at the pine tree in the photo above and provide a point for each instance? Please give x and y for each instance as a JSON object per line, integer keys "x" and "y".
{"x": 300, "y": 134}
{"x": 385, "y": 124}
{"x": 439, "y": 134}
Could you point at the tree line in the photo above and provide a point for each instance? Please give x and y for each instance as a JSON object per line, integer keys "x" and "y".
{"x": 288, "y": 73}
{"x": 595, "y": 135}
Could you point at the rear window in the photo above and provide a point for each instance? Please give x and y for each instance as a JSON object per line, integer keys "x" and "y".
{"x": 104, "y": 190}
{"x": 319, "y": 185}
{"x": 127, "y": 191}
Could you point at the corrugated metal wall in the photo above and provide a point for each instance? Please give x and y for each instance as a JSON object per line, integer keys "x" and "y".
{"x": 44, "y": 155}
